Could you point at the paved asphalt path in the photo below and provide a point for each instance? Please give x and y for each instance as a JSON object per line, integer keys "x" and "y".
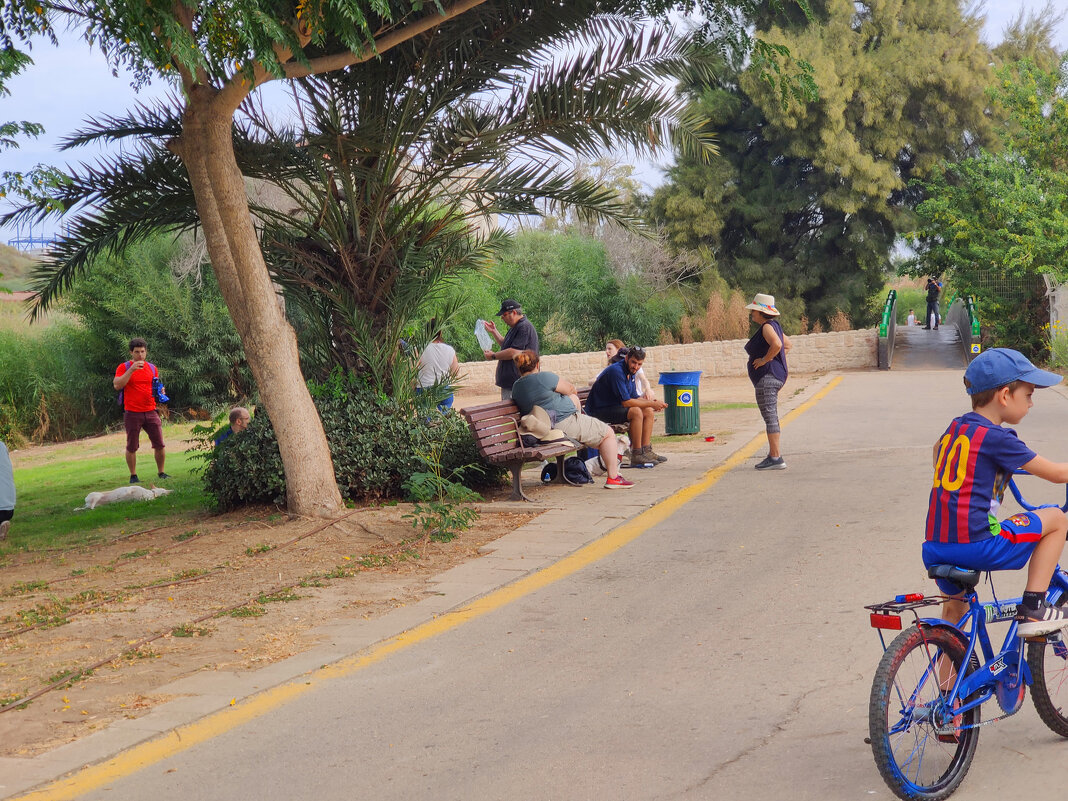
{"x": 723, "y": 654}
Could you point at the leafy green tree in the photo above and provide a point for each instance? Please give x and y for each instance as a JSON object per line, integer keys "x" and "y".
{"x": 218, "y": 59}
{"x": 12, "y": 62}
{"x": 575, "y": 299}
{"x": 808, "y": 198}
{"x": 189, "y": 332}
{"x": 1001, "y": 219}
{"x": 1030, "y": 37}
{"x": 373, "y": 227}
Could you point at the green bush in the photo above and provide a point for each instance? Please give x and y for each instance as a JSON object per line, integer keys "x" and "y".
{"x": 47, "y": 387}
{"x": 908, "y": 298}
{"x": 376, "y": 446}
{"x": 569, "y": 292}
{"x": 190, "y": 335}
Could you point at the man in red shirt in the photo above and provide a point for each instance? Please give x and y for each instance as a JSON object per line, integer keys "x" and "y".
{"x": 134, "y": 379}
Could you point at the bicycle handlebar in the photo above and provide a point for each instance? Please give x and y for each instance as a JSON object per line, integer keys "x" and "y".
{"x": 1029, "y": 506}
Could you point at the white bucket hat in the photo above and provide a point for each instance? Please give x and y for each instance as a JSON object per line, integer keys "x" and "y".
{"x": 538, "y": 424}
{"x": 764, "y": 304}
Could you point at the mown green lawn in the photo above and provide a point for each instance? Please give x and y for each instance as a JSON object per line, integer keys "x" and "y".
{"x": 50, "y": 489}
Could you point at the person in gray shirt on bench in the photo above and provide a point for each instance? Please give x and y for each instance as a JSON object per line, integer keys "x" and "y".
{"x": 558, "y": 397}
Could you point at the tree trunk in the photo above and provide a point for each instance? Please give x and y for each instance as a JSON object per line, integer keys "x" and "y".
{"x": 206, "y": 150}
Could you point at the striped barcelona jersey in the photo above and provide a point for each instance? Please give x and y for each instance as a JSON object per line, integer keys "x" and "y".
{"x": 975, "y": 461}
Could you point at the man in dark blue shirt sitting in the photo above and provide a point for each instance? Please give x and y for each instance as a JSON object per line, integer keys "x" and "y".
{"x": 615, "y": 399}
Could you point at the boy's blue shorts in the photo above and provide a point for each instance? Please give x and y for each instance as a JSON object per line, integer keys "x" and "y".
{"x": 1009, "y": 550}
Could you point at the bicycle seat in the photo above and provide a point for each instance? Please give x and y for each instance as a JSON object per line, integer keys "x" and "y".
{"x": 964, "y": 576}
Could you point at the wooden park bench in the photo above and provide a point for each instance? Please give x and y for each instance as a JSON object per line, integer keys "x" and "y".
{"x": 495, "y": 427}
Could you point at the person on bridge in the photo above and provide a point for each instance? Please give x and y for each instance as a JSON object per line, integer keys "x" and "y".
{"x": 973, "y": 462}
{"x": 911, "y": 319}
{"x": 934, "y": 292}
{"x": 768, "y": 371}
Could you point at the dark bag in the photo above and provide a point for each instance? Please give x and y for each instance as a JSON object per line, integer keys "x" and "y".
{"x": 576, "y": 472}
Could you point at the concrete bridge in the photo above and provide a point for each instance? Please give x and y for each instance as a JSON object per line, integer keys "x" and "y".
{"x": 917, "y": 348}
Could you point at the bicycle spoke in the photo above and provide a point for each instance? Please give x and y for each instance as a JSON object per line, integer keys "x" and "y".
{"x": 922, "y": 748}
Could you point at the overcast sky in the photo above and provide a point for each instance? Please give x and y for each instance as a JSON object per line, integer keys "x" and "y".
{"x": 68, "y": 85}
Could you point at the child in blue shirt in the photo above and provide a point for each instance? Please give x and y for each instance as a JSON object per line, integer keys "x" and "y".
{"x": 974, "y": 460}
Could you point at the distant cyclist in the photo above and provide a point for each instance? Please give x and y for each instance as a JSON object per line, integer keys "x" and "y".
{"x": 974, "y": 460}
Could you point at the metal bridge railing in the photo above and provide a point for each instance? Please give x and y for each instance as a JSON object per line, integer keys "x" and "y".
{"x": 963, "y": 314}
{"x": 888, "y": 330}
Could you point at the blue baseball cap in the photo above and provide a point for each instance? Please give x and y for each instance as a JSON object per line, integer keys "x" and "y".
{"x": 1000, "y": 366}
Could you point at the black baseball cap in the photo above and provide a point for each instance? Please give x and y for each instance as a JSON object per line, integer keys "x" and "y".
{"x": 509, "y": 305}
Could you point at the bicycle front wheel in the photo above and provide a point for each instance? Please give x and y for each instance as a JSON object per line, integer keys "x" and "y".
{"x": 922, "y": 749}
{"x": 1049, "y": 669}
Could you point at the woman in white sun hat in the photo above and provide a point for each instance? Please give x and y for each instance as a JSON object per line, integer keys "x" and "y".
{"x": 768, "y": 372}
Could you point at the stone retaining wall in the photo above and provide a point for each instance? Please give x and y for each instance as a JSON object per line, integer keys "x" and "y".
{"x": 811, "y": 353}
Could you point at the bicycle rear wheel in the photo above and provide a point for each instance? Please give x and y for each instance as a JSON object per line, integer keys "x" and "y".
{"x": 908, "y": 708}
{"x": 1049, "y": 670}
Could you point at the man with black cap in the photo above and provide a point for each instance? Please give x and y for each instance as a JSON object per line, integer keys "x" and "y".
{"x": 521, "y": 336}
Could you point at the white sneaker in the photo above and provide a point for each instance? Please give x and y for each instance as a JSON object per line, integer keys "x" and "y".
{"x": 1041, "y": 621}
{"x": 3, "y": 529}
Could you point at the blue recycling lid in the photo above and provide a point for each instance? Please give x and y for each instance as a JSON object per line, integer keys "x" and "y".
{"x": 687, "y": 379}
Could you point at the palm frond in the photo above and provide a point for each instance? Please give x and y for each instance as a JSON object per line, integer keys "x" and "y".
{"x": 114, "y": 203}
{"x": 158, "y": 121}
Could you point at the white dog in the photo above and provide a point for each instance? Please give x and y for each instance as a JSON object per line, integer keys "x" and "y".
{"x": 594, "y": 464}
{"x": 131, "y": 493}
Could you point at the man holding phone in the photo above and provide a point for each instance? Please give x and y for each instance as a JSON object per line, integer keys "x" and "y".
{"x": 133, "y": 378}
{"x": 934, "y": 292}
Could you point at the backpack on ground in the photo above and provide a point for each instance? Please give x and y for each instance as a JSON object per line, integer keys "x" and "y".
{"x": 575, "y": 471}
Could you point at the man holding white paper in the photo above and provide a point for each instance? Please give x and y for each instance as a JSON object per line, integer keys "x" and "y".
{"x": 521, "y": 336}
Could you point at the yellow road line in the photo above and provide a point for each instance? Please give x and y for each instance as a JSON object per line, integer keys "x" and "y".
{"x": 184, "y": 737}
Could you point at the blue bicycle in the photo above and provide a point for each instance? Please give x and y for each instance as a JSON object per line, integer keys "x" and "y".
{"x": 933, "y": 679}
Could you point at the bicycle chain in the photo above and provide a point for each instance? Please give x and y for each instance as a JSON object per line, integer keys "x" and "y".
{"x": 955, "y": 729}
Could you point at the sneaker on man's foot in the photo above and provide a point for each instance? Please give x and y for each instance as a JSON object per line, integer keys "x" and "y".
{"x": 653, "y": 456}
{"x": 617, "y": 483}
{"x": 163, "y": 475}
{"x": 3, "y": 529}
{"x": 777, "y": 463}
{"x": 1034, "y": 622}
{"x": 134, "y": 479}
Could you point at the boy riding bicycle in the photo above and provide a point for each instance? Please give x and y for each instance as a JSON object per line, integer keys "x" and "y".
{"x": 974, "y": 460}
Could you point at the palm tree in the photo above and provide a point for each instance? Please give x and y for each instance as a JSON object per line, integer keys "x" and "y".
{"x": 393, "y": 180}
